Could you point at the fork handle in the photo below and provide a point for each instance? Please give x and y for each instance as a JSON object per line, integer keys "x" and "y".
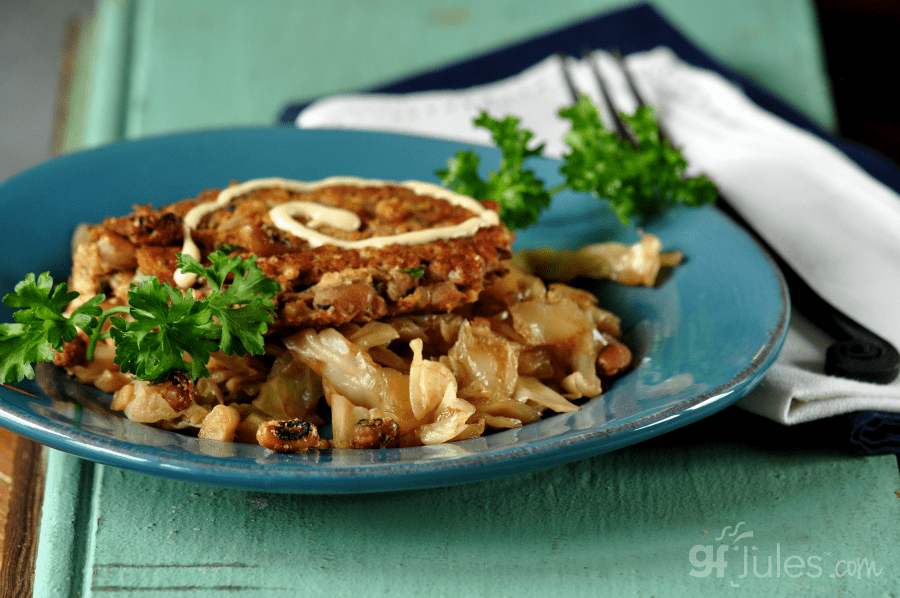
{"x": 857, "y": 352}
{"x": 863, "y": 356}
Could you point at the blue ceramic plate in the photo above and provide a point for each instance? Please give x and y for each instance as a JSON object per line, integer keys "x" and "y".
{"x": 702, "y": 339}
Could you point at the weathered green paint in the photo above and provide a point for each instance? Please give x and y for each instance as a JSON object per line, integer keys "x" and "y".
{"x": 171, "y": 65}
{"x": 622, "y": 524}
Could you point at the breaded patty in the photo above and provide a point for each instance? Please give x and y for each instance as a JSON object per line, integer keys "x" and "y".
{"x": 322, "y": 285}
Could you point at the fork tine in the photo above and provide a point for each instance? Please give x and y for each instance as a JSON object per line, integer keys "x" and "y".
{"x": 629, "y": 78}
{"x": 563, "y": 59}
{"x": 620, "y": 127}
{"x": 632, "y": 86}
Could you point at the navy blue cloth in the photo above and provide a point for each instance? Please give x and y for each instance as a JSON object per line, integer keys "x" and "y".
{"x": 635, "y": 29}
{"x": 874, "y": 432}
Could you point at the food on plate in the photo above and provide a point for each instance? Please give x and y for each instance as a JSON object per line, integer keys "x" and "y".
{"x": 635, "y": 264}
{"x": 345, "y": 313}
{"x": 366, "y": 251}
{"x": 355, "y": 313}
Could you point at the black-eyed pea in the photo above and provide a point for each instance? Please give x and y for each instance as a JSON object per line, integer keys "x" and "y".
{"x": 289, "y": 436}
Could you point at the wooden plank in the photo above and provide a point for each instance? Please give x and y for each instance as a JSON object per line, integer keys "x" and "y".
{"x": 185, "y": 74}
{"x": 628, "y": 522}
{"x": 66, "y": 82}
{"x": 23, "y": 483}
{"x": 8, "y": 441}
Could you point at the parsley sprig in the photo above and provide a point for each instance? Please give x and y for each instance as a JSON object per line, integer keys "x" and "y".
{"x": 638, "y": 180}
{"x": 163, "y": 325}
{"x": 40, "y": 324}
{"x": 519, "y": 192}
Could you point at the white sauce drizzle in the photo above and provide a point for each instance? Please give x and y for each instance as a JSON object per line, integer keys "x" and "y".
{"x": 319, "y": 214}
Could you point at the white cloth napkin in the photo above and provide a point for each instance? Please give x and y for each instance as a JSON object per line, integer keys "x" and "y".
{"x": 833, "y": 223}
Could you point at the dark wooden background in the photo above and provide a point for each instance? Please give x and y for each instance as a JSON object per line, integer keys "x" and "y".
{"x": 861, "y": 52}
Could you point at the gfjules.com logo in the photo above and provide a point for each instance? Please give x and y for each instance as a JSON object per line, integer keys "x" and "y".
{"x": 736, "y": 556}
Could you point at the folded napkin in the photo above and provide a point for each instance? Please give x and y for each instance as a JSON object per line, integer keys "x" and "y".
{"x": 832, "y": 221}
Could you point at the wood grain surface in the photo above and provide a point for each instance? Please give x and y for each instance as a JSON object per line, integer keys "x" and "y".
{"x": 21, "y": 489}
{"x": 7, "y": 452}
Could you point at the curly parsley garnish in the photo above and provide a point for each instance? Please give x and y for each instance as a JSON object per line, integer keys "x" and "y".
{"x": 40, "y": 324}
{"x": 638, "y": 179}
{"x": 519, "y": 192}
{"x": 164, "y": 323}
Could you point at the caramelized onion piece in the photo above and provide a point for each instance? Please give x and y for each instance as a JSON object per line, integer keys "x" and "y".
{"x": 635, "y": 264}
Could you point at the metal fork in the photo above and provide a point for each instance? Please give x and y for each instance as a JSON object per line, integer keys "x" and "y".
{"x": 856, "y": 352}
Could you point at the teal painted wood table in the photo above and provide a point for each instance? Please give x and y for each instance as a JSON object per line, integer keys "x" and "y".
{"x": 733, "y": 504}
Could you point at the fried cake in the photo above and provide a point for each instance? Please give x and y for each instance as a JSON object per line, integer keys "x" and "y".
{"x": 323, "y": 284}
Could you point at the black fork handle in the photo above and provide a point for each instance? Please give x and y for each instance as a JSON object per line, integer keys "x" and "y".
{"x": 856, "y": 352}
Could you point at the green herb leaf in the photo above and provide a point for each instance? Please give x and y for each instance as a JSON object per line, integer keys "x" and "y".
{"x": 244, "y": 309}
{"x": 40, "y": 324}
{"x": 166, "y": 324}
{"x": 229, "y": 247}
{"x": 414, "y": 272}
{"x": 638, "y": 181}
{"x": 163, "y": 325}
{"x": 519, "y": 192}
